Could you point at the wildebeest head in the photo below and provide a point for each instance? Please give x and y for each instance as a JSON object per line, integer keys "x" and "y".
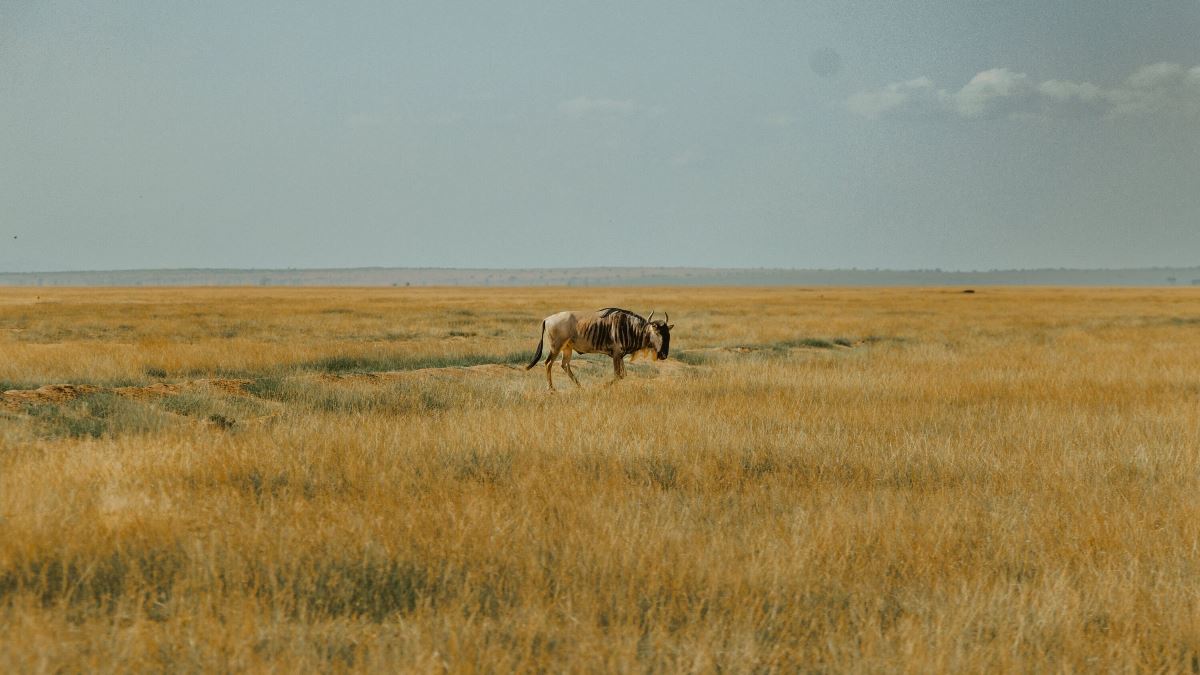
{"x": 660, "y": 336}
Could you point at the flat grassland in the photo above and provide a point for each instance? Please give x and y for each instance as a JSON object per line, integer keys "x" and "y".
{"x": 874, "y": 480}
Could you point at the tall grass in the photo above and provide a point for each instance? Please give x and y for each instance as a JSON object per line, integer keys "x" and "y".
{"x": 1001, "y": 482}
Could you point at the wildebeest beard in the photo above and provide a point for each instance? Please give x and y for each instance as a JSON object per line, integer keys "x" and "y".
{"x": 665, "y": 332}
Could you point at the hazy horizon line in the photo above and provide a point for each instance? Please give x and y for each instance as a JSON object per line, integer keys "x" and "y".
{"x": 890, "y": 270}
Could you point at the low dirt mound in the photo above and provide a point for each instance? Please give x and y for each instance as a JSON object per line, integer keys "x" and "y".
{"x": 156, "y": 390}
{"x": 160, "y": 389}
{"x": 228, "y": 386}
{"x": 15, "y": 399}
{"x": 467, "y": 371}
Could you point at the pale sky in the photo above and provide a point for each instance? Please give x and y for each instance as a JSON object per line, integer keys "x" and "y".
{"x": 829, "y": 134}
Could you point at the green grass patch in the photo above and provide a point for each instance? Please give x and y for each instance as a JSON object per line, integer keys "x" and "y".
{"x": 223, "y": 411}
{"x": 271, "y": 377}
{"x": 97, "y": 583}
{"x": 96, "y": 415}
{"x": 270, "y": 387}
{"x": 6, "y": 385}
{"x": 372, "y": 587}
{"x": 394, "y": 397}
{"x": 783, "y": 346}
{"x": 385, "y": 363}
{"x": 696, "y": 358}
{"x": 810, "y": 342}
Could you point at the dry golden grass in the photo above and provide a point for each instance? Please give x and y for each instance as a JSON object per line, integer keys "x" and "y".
{"x": 1003, "y": 481}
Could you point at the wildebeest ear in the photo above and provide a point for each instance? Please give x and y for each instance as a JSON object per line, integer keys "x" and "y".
{"x": 670, "y": 326}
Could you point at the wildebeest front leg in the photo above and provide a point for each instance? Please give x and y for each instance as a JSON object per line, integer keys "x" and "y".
{"x": 566, "y": 365}
{"x": 617, "y": 363}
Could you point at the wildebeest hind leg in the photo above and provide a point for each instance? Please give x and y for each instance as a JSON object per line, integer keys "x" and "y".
{"x": 550, "y": 368}
{"x": 566, "y": 365}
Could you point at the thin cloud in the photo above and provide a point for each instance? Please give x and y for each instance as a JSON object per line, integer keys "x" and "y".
{"x": 992, "y": 92}
{"x": 912, "y": 95}
{"x": 1161, "y": 88}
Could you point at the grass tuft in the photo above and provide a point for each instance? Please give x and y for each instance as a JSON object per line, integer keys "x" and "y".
{"x": 659, "y": 472}
{"x": 97, "y": 582}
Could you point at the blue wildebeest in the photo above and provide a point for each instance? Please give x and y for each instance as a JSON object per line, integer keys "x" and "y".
{"x": 613, "y": 331}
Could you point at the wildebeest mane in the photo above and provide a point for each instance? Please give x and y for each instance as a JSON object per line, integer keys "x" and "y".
{"x": 604, "y": 313}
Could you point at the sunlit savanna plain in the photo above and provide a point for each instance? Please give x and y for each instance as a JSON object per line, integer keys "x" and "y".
{"x": 867, "y": 480}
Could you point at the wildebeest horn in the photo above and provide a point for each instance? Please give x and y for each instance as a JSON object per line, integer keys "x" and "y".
{"x": 668, "y": 319}
{"x": 651, "y": 316}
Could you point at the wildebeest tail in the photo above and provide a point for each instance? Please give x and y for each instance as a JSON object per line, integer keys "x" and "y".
{"x": 538, "y": 355}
